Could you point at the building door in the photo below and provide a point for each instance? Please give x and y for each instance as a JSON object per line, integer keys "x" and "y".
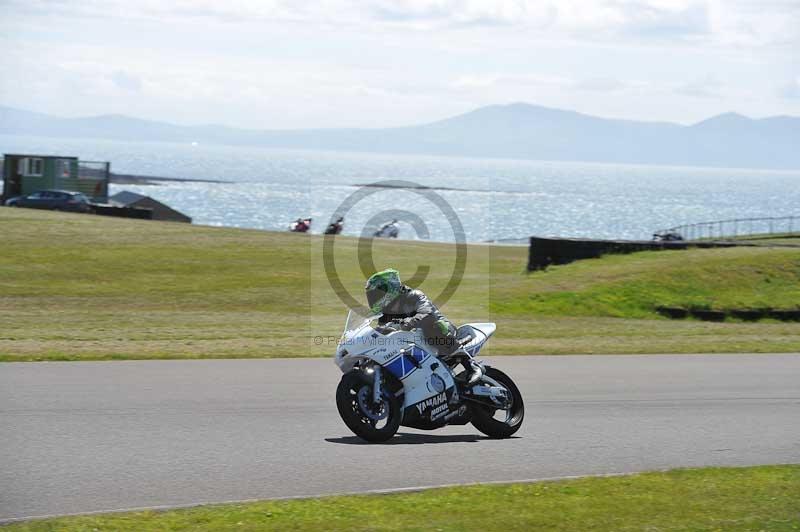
{"x": 15, "y": 185}
{"x": 13, "y": 182}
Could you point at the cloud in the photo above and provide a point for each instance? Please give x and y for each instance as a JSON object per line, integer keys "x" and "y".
{"x": 705, "y": 88}
{"x": 473, "y": 82}
{"x": 601, "y": 85}
{"x": 476, "y": 82}
{"x": 577, "y": 20}
{"x": 649, "y": 20}
{"x": 344, "y": 62}
{"x": 462, "y": 13}
{"x": 481, "y": 82}
{"x": 126, "y": 81}
{"x": 791, "y": 91}
{"x": 404, "y": 10}
{"x": 741, "y": 23}
{"x": 756, "y": 22}
{"x": 642, "y": 19}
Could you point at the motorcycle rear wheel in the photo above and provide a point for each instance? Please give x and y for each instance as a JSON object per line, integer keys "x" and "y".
{"x": 363, "y": 423}
{"x": 483, "y": 416}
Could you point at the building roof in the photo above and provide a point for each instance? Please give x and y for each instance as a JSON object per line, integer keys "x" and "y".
{"x": 40, "y": 156}
{"x": 126, "y": 197}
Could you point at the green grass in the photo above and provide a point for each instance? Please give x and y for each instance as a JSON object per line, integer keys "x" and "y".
{"x": 632, "y": 286}
{"x": 711, "y": 499}
{"x": 784, "y": 239}
{"x": 788, "y": 236}
{"x": 77, "y": 287}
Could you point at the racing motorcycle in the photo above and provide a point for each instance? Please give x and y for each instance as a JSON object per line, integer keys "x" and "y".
{"x": 302, "y": 225}
{"x": 389, "y": 230}
{"x": 392, "y": 378}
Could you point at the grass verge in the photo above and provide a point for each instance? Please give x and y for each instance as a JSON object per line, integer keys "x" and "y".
{"x": 77, "y": 287}
{"x": 731, "y": 499}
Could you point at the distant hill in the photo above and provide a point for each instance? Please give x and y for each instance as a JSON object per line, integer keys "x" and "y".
{"x": 517, "y": 130}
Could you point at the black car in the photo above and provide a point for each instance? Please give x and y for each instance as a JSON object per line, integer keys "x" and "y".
{"x": 669, "y": 236}
{"x": 55, "y": 200}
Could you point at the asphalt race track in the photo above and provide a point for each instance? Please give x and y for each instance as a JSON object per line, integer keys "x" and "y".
{"x": 95, "y": 436}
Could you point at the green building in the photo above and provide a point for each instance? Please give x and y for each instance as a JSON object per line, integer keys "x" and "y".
{"x": 24, "y": 174}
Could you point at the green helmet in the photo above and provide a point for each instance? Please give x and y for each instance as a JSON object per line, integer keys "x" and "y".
{"x": 382, "y": 288}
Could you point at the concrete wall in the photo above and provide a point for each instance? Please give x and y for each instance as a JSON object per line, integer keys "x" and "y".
{"x": 546, "y": 251}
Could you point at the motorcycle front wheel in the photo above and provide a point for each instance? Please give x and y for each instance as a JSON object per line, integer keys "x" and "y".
{"x": 495, "y": 422}
{"x": 369, "y": 421}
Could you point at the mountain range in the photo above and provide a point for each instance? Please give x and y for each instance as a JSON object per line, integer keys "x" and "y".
{"x": 519, "y": 130}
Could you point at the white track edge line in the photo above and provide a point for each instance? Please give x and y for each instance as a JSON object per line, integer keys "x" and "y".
{"x": 379, "y": 491}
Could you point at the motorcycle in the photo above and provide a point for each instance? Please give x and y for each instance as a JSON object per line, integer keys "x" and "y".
{"x": 302, "y": 225}
{"x": 389, "y": 230}
{"x": 392, "y": 377}
{"x": 335, "y": 228}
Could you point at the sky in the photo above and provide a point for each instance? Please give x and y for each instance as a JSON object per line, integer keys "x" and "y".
{"x": 273, "y": 64}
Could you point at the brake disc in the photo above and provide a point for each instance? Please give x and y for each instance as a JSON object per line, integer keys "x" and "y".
{"x": 372, "y": 411}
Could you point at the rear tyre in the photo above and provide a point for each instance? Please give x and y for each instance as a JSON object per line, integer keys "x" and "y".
{"x": 370, "y": 422}
{"x": 485, "y": 418}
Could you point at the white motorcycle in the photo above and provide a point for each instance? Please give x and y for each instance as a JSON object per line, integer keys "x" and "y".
{"x": 389, "y": 230}
{"x": 392, "y": 378}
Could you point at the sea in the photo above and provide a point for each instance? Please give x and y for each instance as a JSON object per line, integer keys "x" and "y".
{"x": 435, "y": 198}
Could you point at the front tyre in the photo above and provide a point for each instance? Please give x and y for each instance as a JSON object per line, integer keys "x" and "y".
{"x": 369, "y": 421}
{"x": 499, "y": 423}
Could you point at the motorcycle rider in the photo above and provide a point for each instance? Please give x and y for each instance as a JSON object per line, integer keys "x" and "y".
{"x": 302, "y": 225}
{"x": 388, "y": 230}
{"x": 411, "y": 309}
{"x": 336, "y": 227}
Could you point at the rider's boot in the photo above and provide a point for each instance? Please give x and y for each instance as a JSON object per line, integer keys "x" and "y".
{"x": 473, "y": 371}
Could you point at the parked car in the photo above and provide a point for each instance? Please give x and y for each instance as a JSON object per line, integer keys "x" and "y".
{"x": 55, "y": 200}
{"x": 669, "y": 236}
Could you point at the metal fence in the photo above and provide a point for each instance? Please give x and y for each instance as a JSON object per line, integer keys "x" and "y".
{"x": 739, "y": 227}
{"x": 509, "y": 241}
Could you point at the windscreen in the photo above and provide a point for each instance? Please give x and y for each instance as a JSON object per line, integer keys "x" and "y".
{"x": 356, "y": 321}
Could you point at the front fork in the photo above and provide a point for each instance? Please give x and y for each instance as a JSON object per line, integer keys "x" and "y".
{"x": 376, "y": 385}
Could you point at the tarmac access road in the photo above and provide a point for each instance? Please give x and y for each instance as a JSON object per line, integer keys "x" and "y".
{"x": 97, "y": 436}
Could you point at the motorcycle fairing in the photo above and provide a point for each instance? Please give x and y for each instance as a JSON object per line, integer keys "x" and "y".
{"x": 433, "y": 412}
{"x": 400, "y": 353}
{"x": 408, "y": 362}
{"x": 475, "y": 335}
